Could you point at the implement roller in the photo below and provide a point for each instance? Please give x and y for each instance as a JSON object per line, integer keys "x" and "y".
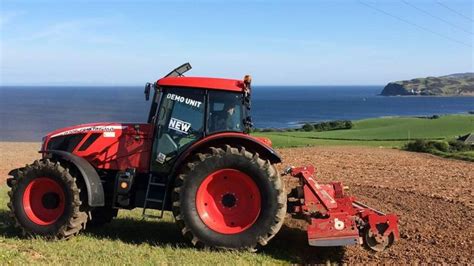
{"x": 335, "y": 219}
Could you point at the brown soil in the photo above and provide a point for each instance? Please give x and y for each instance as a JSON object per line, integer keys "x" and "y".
{"x": 16, "y": 154}
{"x": 433, "y": 197}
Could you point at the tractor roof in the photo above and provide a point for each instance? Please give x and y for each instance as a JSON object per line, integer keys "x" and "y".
{"x": 202, "y": 82}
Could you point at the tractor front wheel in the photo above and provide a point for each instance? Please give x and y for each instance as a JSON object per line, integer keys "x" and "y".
{"x": 229, "y": 198}
{"x": 44, "y": 201}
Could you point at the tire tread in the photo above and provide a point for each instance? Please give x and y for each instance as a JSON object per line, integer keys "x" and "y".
{"x": 254, "y": 158}
{"x": 77, "y": 220}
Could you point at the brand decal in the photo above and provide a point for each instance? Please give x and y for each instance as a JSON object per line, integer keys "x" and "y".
{"x": 91, "y": 128}
{"x": 182, "y": 99}
{"x": 179, "y": 125}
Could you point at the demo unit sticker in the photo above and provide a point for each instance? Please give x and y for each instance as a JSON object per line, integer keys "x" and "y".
{"x": 182, "y": 99}
{"x": 179, "y": 125}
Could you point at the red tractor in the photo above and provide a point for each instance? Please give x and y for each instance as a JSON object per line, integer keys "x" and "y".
{"x": 193, "y": 157}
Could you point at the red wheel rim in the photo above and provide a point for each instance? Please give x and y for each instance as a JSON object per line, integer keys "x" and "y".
{"x": 228, "y": 201}
{"x": 43, "y": 201}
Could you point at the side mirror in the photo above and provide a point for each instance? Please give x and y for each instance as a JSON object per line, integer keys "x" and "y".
{"x": 147, "y": 90}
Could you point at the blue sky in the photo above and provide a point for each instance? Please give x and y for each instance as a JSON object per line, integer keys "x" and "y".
{"x": 116, "y": 42}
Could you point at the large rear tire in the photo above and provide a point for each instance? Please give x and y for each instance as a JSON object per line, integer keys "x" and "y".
{"x": 44, "y": 201}
{"x": 229, "y": 198}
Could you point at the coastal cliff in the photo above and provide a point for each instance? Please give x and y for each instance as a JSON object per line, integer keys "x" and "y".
{"x": 461, "y": 84}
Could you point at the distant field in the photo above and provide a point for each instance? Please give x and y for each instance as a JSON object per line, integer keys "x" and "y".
{"x": 386, "y": 132}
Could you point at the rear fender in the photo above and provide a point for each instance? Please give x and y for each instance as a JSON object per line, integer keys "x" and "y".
{"x": 95, "y": 191}
{"x": 251, "y": 144}
{"x": 231, "y": 138}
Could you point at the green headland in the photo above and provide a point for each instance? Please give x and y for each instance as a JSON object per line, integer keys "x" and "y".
{"x": 393, "y": 132}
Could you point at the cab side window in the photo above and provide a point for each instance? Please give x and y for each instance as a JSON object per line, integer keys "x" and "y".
{"x": 184, "y": 120}
{"x": 225, "y": 112}
{"x": 180, "y": 123}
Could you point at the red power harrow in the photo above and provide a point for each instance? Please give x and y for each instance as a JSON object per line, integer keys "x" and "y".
{"x": 335, "y": 219}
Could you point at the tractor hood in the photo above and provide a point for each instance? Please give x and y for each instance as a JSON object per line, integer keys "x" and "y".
{"x": 107, "y": 143}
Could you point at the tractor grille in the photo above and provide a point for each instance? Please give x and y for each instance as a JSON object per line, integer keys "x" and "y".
{"x": 91, "y": 139}
{"x": 65, "y": 143}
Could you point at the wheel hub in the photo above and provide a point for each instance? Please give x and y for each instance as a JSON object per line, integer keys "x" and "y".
{"x": 50, "y": 200}
{"x": 377, "y": 241}
{"x": 228, "y": 201}
{"x": 44, "y": 201}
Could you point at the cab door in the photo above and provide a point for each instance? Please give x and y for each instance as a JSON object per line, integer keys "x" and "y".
{"x": 179, "y": 123}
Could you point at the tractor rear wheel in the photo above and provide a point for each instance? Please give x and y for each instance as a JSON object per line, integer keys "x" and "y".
{"x": 44, "y": 201}
{"x": 229, "y": 198}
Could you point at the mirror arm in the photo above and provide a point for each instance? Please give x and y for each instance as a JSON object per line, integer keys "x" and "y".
{"x": 147, "y": 91}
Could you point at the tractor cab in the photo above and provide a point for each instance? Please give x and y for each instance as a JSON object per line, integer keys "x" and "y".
{"x": 185, "y": 110}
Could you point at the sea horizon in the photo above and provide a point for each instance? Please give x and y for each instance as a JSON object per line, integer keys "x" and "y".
{"x": 27, "y": 113}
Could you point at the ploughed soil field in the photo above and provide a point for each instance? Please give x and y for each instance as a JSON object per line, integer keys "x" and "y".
{"x": 433, "y": 197}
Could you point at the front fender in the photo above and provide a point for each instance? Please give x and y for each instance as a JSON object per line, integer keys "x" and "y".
{"x": 95, "y": 190}
{"x": 14, "y": 174}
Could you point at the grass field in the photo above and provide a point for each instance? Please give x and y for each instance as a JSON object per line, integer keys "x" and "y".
{"x": 465, "y": 155}
{"x": 386, "y": 132}
{"x": 128, "y": 240}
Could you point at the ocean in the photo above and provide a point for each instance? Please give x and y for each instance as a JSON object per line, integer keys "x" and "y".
{"x": 28, "y": 113}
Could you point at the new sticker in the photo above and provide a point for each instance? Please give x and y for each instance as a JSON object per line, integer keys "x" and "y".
{"x": 179, "y": 125}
